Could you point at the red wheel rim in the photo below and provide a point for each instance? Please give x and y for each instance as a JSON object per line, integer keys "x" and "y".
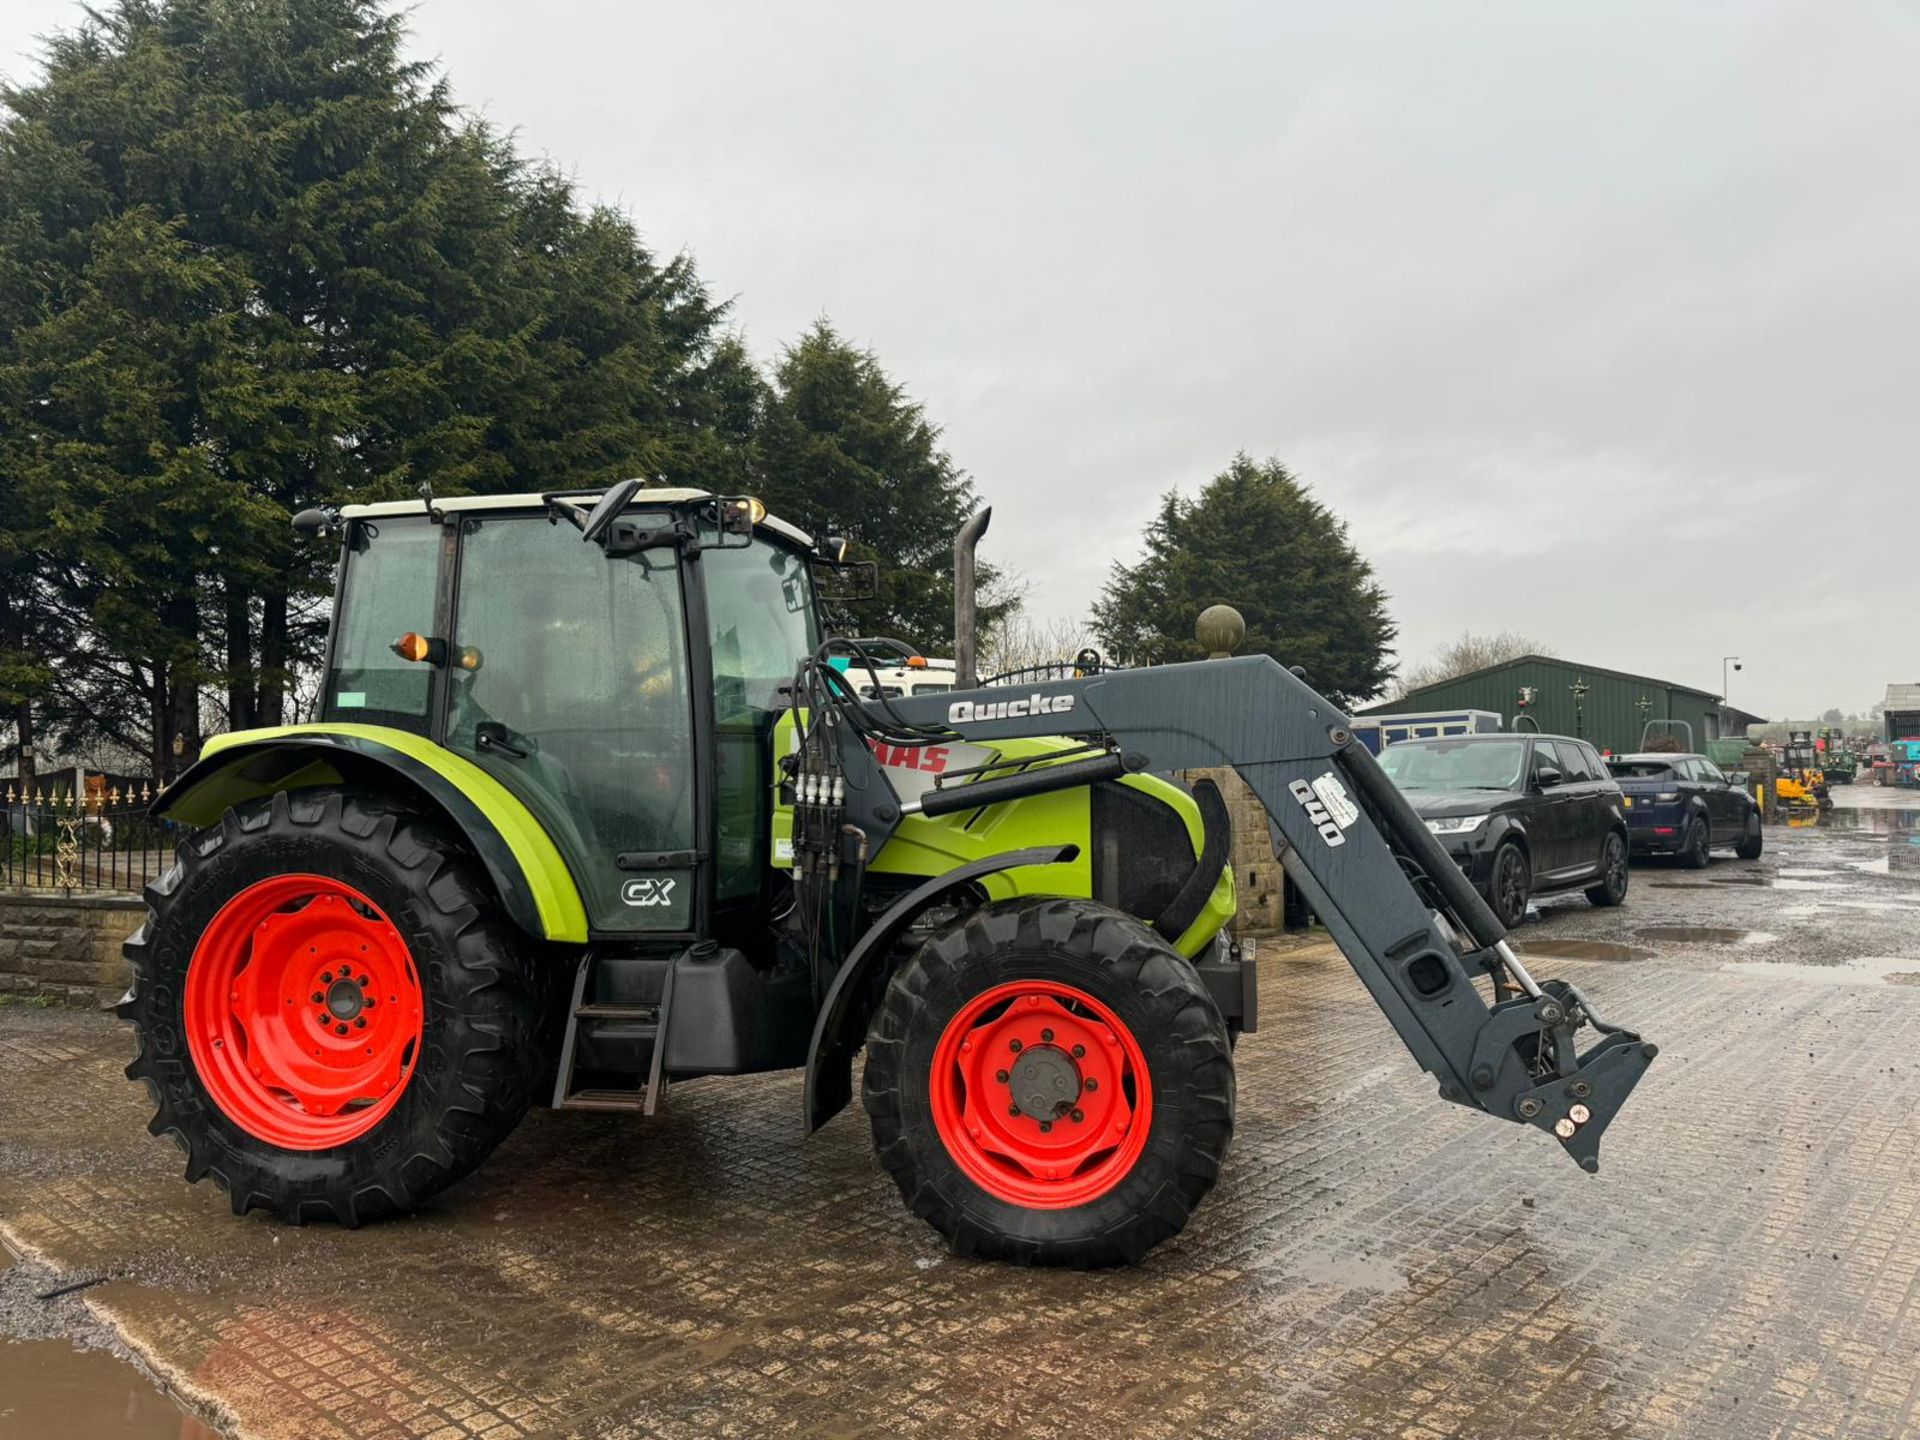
{"x": 1041, "y": 1095}
{"x": 303, "y": 1012}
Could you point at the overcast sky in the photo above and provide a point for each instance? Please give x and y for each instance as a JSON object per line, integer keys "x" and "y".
{"x": 1595, "y": 321}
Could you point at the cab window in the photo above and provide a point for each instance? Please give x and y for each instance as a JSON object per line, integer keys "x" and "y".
{"x": 386, "y": 590}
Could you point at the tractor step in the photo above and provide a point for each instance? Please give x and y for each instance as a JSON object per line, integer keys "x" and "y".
{"x": 633, "y": 1101}
{"x": 617, "y": 1012}
{"x": 645, "y": 1023}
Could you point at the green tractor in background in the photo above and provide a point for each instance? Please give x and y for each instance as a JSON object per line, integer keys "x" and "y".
{"x": 592, "y": 809}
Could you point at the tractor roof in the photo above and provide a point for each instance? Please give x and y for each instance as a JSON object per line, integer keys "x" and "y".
{"x": 458, "y": 504}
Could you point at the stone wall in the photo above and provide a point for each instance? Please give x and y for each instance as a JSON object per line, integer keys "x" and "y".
{"x": 1257, "y": 876}
{"x": 65, "y": 947}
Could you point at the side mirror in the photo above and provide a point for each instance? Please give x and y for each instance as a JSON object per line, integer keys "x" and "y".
{"x": 316, "y": 523}
{"x": 610, "y": 505}
{"x": 1739, "y": 779}
{"x": 1546, "y": 777}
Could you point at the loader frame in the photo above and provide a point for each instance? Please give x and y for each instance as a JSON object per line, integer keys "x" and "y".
{"x": 1426, "y": 946}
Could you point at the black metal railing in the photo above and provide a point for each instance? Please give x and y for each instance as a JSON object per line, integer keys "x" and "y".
{"x": 1087, "y": 662}
{"x": 104, "y": 843}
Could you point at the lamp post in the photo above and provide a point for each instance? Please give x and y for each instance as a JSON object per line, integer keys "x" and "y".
{"x": 1579, "y": 688}
{"x": 1726, "y": 660}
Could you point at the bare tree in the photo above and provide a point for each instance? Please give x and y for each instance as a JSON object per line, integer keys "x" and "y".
{"x": 1021, "y": 642}
{"x": 1463, "y": 656}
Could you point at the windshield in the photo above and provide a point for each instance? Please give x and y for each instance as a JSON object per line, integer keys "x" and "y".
{"x": 1640, "y": 769}
{"x": 1455, "y": 764}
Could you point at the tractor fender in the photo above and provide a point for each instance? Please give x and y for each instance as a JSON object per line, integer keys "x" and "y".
{"x": 535, "y": 887}
{"x": 830, "y": 1053}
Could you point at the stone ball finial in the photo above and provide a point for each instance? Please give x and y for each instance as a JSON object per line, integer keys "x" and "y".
{"x": 1220, "y": 630}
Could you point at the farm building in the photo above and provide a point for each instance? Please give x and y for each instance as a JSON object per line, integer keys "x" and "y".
{"x": 1608, "y": 707}
{"x": 1901, "y": 712}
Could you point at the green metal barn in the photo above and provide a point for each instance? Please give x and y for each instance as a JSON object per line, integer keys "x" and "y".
{"x": 1608, "y": 707}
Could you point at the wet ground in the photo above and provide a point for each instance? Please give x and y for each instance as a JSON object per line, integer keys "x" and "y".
{"x": 1374, "y": 1262}
{"x": 64, "y": 1373}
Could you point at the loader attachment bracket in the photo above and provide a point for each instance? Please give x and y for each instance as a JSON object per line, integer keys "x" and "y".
{"x": 1525, "y": 1063}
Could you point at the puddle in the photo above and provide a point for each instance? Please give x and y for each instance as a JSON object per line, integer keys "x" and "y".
{"x": 1741, "y": 877}
{"x": 1350, "y": 1272}
{"x": 55, "y": 1387}
{"x": 1810, "y": 874}
{"x": 1870, "y": 970}
{"x": 1581, "y": 950}
{"x": 50, "y": 1387}
{"x": 1877, "y": 819}
{"x": 1801, "y": 884}
{"x": 1680, "y": 884}
{"x": 1703, "y": 935}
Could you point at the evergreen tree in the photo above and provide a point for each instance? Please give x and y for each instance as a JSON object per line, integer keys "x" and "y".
{"x": 1256, "y": 539}
{"x": 843, "y": 450}
{"x": 251, "y": 259}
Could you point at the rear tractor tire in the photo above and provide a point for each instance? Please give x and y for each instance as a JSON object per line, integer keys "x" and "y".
{"x": 1050, "y": 1084}
{"x": 332, "y": 1015}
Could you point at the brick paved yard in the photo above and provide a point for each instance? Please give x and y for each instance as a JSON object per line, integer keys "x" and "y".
{"x": 1374, "y": 1263}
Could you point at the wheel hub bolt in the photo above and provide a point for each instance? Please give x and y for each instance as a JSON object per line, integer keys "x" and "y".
{"x": 339, "y": 1029}
{"x": 319, "y": 997}
{"x": 360, "y": 1023}
{"x": 1001, "y": 1076}
{"x": 1092, "y": 1084}
{"x": 1078, "y": 1116}
{"x": 1079, "y": 1052}
{"x": 1046, "y": 1126}
{"x": 1046, "y": 1035}
{"x": 326, "y": 977}
{"x": 1014, "y": 1110}
{"x": 1013, "y": 1045}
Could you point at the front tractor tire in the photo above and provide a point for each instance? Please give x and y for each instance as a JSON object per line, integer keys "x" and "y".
{"x": 1050, "y": 1084}
{"x": 332, "y": 1015}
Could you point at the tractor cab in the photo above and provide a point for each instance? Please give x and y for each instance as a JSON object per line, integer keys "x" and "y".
{"x": 585, "y": 677}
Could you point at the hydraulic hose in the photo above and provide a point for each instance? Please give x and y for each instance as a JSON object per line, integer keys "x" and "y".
{"x": 1040, "y": 780}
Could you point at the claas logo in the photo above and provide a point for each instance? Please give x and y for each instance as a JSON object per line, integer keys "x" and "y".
{"x": 928, "y": 759}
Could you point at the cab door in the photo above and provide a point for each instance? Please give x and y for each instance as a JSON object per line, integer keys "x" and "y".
{"x": 761, "y": 621}
{"x": 569, "y": 683}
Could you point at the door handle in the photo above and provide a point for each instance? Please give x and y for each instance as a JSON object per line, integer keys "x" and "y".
{"x": 492, "y": 735}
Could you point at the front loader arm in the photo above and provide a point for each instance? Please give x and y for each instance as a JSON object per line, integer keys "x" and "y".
{"x": 1414, "y": 930}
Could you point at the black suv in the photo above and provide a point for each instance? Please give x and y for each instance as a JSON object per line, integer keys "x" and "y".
{"x": 1522, "y": 814}
{"x": 1684, "y": 805}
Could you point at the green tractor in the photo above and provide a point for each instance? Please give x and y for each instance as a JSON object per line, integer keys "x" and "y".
{"x": 592, "y": 809}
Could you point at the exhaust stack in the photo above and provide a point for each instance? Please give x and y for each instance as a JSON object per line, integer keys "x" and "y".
{"x": 965, "y": 659}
